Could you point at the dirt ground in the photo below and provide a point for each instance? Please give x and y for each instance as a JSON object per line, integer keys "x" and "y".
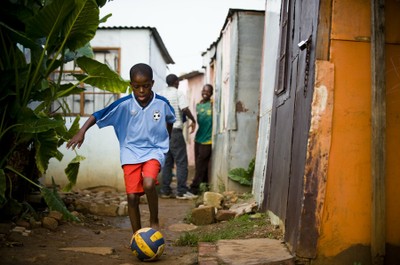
{"x": 43, "y": 246}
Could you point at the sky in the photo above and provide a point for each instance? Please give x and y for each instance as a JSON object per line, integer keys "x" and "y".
{"x": 187, "y": 27}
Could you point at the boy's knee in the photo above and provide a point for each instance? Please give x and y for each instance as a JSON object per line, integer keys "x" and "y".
{"x": 148, "y": 184}
{"x": 133, "y": 198}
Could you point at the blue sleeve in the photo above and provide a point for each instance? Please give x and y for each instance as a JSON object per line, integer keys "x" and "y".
{"x": 101, "y": 114}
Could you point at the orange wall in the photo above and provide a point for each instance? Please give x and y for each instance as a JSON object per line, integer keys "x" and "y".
{"x": 393, "y": 121}
{"x": 346, "y": 217}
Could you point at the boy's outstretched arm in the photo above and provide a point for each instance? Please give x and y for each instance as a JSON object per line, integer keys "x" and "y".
{"x": 79, "y": 137}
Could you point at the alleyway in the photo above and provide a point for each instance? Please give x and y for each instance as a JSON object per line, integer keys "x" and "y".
{"x": 43, "y": 246}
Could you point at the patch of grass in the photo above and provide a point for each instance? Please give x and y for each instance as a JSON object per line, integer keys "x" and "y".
{"x": 238, "y": 228}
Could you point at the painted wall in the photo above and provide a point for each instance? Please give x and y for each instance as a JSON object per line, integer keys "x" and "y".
{"x": 192, "y": 86}
{"x": 346, "y": 219}
{"x": 268, "y": 72}
{"x": 101, "y": 149}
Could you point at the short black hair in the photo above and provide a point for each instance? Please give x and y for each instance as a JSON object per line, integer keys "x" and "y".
{"x": 142, "y": 69}
{"x": 210, "y": 87}
{"x": 171, "y": 79}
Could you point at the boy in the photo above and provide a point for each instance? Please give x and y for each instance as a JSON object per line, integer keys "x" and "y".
{"x": 142, "y": 122}
{"x": 203, "y": 140}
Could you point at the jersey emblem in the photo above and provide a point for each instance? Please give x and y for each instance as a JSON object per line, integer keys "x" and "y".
{"x": 156, "y": 115}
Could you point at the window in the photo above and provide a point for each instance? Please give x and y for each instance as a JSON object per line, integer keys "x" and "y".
{"x": 93, "y": 98}
{"x": 283, "y": 50}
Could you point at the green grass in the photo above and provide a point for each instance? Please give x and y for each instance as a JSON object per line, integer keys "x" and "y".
{"x": 237, "y": 228}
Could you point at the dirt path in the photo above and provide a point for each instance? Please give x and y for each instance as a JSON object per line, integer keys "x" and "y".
{"x": 43, "y": 246}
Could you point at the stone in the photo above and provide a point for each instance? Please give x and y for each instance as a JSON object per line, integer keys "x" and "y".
{"x": 18, "y": 229}
{"x": 23, "y": 223}
{"x": 102, "y": 209}
{"x": 238, "y": 252}
{"x": 182, "y": 227}
{"x": 203, "y": 215}
{"x": 50, "y": 223}
{"x": 123, "y": 208}
{"x": 34, "y": 223}
{"x": 56, "y": 215}
{"x": 213, "y": 199}
{"x": 243, "y": 208}
{"x": 92, "y": 250}
{"x": 225, "y": 215}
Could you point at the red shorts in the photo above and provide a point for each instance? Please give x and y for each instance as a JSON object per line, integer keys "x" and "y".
{"x": 134, "y": 174}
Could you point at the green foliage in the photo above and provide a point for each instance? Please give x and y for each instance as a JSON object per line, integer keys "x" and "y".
{"x": 56, "y": 204}
{"x": 37, "y": 38}
{"x": 243, "y": 176}
{"x": 233, "y": 229}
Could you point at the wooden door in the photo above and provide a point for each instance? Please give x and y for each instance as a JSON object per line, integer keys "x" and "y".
{"x": 291, "y": 118}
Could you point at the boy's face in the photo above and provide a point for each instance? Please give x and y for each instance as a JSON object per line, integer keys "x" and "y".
{"x": 141, "y": 86}
{"x": 206, "y": 93}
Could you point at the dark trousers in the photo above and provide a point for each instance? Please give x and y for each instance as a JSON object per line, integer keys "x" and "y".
{"x": 177, "y": 154}
{"x": 202, "y": 154}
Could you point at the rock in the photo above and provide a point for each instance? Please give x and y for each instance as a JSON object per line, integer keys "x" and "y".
{"x": 182, "y": 227}
{"x": 56, "y": 215}
{"x": 213, "y": 199}
{"x": 225, "y": 215}
{"x": 23, "y": 223}
{"x": 34, "y": 223}
{"x": 92, "y": 250}
{"x": 103, "y": 209}
{"x": 50, "y": 223}
{"x": 203, "y": 215}
{"x": 19, "y": 229}
{"x": 123, "y": 208}
{"x": 244, "y": 208}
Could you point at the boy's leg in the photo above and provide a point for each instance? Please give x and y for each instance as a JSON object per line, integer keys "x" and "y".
{"x": 134, "y": 211}
{"x": 134, "y": 189}
{"x": 152, "y": 200}
{"x": 194, "y": 187}
{"x": 150, "y": 171}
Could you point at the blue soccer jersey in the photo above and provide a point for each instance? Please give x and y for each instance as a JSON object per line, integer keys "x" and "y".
{"x": 141, "y": 132}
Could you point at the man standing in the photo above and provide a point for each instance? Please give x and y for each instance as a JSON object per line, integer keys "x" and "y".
{"x": 177, "y": 148}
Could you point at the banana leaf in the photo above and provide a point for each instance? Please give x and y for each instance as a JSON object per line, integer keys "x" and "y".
{"x": 55, "y": 203}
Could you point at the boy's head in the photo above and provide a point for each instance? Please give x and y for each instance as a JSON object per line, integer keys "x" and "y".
{"x": 142, "y": 69}
{"x": 172, "y": 80}
{"x": 207, "y": 92}
{"x": 142, "y": 82}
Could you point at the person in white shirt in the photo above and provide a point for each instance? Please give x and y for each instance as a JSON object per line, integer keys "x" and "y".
{"x": 177, "y": 153}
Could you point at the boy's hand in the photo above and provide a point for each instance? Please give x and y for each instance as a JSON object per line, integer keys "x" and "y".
{"x": 192, "y": 127}
{"x": 77, "y": 140}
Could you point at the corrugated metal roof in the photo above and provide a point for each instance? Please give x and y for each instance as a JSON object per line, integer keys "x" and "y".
{"x": 231, "y": 12}
{"x": 167, "y": 57}
{"x": 190, "y": 75}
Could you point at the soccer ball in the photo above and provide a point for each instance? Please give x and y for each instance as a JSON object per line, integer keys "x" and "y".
{"x": 147, "y": 244}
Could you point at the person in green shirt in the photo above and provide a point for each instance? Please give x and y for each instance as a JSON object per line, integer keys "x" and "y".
{"x": 203, "y": 140}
